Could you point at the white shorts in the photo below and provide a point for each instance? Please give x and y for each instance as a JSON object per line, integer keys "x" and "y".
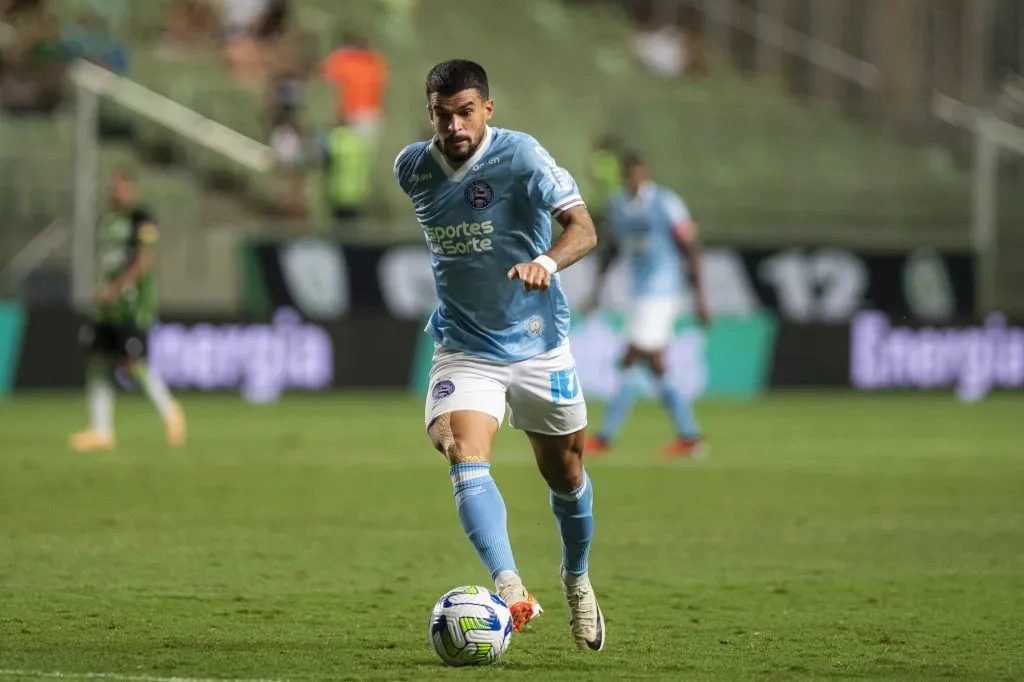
{"x": 651, "y": 322}
{"x": 542, "y": 393}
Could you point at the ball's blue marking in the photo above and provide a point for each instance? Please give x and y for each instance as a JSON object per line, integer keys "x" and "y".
{"x": 439, "y": 624}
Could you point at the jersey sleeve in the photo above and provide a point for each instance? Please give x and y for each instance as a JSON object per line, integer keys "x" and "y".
{"x": 549, "y": 186}
{"x": 144, "y": 230}
{"x": 679, "y": 218}
{"x": 405, "y": 166}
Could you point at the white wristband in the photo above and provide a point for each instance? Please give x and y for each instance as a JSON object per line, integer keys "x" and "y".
{"x": 547, "y": 263}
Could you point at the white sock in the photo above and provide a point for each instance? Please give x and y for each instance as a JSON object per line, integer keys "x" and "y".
{"x": 573, "y": 580}
{"x": 505, "y": 578}
{"x": 101, "y": 406}
{"x": 156, "y": 390}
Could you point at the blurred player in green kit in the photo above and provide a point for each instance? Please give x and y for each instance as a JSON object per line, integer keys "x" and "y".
{"x": 126, "y": 304}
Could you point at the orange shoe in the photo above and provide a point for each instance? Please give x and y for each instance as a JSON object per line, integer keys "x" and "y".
{"x": 174, "y": 426}
{"x": 596, "y": 446}
{"x": 90, "y": 441}
{"x": 523, "y": 605}
{"x": 687, "y": 448}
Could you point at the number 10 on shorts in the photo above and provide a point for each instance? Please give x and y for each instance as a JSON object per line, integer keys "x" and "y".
{"x": 564, "y": 385}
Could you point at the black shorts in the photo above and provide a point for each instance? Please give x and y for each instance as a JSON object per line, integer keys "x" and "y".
{"x": 118, "y": 341}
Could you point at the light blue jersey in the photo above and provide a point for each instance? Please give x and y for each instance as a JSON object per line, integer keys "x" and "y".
{"x": 479, "y": 221}
{"x": 646, "y": 228}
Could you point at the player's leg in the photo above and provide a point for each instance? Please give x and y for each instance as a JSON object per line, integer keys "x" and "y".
{"x": 465, "y": 406}
{"x": 631, "y": 383}
{"x": 649, "y": 328}
{"x": 547, "y": 403}
{"x": 155, "y": 389}
{"x": 688, "y": 441}
{"x": 99, "y": 390}
{"x": 133, "y": 344}
{"x": 560, "y": 460}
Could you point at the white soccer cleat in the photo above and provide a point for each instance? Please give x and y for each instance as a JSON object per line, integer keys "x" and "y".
{"x": 585, "y": 617}
{"x": 523, "y": 606}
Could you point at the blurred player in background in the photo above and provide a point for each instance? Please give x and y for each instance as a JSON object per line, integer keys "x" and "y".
{"x": 125, "y": 306}
{"x": 651, "y": 226}
{"x": 484, "y": 198}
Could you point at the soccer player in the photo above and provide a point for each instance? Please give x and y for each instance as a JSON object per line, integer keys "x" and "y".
{"x": 125, "y": 305}
{"x": 484, "y": 198}
{"x": 652, "y": 227}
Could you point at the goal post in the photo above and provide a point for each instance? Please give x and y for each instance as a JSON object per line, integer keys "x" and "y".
{"x": 94, "y": 85}
{"x": 993, "y": 139}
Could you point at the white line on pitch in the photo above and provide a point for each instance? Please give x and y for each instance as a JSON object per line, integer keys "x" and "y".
{"x": 122, "y": 677}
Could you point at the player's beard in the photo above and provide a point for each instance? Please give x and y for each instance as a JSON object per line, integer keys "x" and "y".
{"x": 460, "y": 158}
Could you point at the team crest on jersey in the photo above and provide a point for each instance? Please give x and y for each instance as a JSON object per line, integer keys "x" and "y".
{"x": 479, "y": 195}
{"x": 442, "y": 389}
{"x": 534, "y": 326}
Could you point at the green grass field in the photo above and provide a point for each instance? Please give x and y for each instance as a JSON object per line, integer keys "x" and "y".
{"x": 827, "y": 537}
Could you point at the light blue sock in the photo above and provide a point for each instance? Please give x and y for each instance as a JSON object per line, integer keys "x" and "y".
{"x": 679, "y": 409}
{"x": 574, "y": 513}
{"x": 630, "y": 385}
{"x": 482, "y": 513}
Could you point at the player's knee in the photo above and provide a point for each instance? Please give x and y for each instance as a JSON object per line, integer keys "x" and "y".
{"x": 566, "y": 478}
{"x": 456, "y": 447}
{"x": 631, "y": 357}
{"x": 657, "y": 362}
{"x": 465, "y": 450}
{"x": 574, "y": 448}
{"x": 561, "y": 461}
{"x": 572, "y": 467}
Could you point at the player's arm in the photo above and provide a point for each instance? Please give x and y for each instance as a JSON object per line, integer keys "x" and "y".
{"x": 685, "y": 234}
{"x": 578, "y": 238}
{"x": 145, "y": 240}
{"x": 553, "y": 189}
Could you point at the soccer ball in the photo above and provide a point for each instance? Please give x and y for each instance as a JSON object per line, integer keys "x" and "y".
{"x": 470, "y": 625}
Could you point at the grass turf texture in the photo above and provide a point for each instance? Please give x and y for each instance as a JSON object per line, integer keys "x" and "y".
{"x": 827, "y": 538}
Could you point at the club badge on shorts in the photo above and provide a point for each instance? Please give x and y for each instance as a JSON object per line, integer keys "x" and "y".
{"x": 442, "y": 389}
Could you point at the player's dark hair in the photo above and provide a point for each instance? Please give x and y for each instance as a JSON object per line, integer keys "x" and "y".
{"x": 456, "y": 75}
{"x": 608, "y": 141}
{"x": 631, "y": 160}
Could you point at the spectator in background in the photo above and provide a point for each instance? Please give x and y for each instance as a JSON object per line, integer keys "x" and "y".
{"x": 273, "y": 22}
{"x": 239, "y": 20}
{"x": 89, "y": 39}
{"x": 289, "y": 59}
{"x": 672, "y": 50}
{"x": 360, "y": 76}
{"x": 288, "y": 141}
{"x": 190, "y": 23}
{"x": 694, "y": 43}
{"x": 348, "y": 170}
{"x": 35, "y": 64}
{"x": 661, "y": 49}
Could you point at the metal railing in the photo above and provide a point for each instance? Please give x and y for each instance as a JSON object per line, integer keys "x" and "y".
{"x": 888, "y": 56}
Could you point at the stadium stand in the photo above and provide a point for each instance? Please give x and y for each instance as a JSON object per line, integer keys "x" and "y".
{"x": 755, "y": 163}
